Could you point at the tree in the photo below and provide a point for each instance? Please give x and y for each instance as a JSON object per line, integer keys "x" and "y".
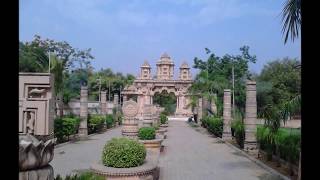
{"x": 291, "y": 19}
{"x": 32, "y": 58}
{"x": 216, "y": 75}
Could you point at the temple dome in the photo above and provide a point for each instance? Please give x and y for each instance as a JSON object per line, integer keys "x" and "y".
{"x": 146, "y": 64}
{"x": 184, "y": 65}
{"x": 165, "y": 58}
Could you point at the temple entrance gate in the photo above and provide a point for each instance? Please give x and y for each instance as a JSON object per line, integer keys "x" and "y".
{"x": 145, "y": 86}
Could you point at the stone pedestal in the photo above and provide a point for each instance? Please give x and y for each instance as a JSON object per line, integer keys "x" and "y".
{"x": 250, "y": 142}
{"x": 83, "y": 129}
{"x": 130, "y": 123}
{"x": 45, "y": 173}
{"x": 103, "y": 102}
{"x": 200, "y": 109}
{"x": 226, "y": 135}
{"x": 115, "y": 100}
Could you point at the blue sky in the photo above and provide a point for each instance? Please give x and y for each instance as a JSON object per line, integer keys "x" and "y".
{"x": 122, "y": 34}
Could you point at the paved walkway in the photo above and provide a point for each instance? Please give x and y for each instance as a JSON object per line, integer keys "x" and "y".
{"x": 194, "y": 155}
{"x": 80, "y": 155}
{"x": 188, "y": 155}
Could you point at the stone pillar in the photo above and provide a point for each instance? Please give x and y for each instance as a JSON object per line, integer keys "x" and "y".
{"x": 147, "y": 115}
{"x": 115, "y": 99}
{"x": 213, "y": 104}
{"x": 125, "y": 98}
{"x": 250, "y": 142}
{"x": 226, "y": 135}
{"x": 83, "y": 129}
{"x": 130, "y": 123}
{"x": 103, "y": 102}
{"x": 200, "y": 109}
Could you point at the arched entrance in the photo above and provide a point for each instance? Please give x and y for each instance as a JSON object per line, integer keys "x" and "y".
{"x": 166, "y": 100}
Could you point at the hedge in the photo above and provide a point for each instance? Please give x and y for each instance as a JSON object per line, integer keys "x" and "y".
{"x": 163, "y": 118}
{"x": 285, "y": 142}
{"x": 95, "y": 123}
{"x": 213, "y": 124}
{"x": 64, "y": 127}
{"x": 239, "y": 131}
{"x": 123, "y": 153}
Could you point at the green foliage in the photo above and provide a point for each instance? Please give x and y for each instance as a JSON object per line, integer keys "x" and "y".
{"x": 109, "y": 120}
{"x": 95, "y": 123}
{"x": 147, "y": 133}
{"x": 239, "y": 131}
{"x": 284, "y": 141}
{"x": 216, "y": 75}
{"x": 82, "y": 176}
{"x": 213, "y": 124}
{"x": 163, "y": 118}
{"x": 278, "y": 83}
{"x": 64, "y": 127}
{"x": 123, "y": 153}
{"x": 166, "y": 100}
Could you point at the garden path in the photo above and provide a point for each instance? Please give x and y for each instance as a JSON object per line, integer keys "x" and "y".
{"x": 189, "y": 154}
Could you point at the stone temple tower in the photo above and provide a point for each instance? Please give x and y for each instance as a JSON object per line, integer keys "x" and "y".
{"x": 145, "y": 71}
{"x": 165, "y": 68}
{"x": 184, "y": 72}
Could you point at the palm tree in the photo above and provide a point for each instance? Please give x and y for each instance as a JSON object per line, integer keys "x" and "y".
{"x": 291, "y": 18}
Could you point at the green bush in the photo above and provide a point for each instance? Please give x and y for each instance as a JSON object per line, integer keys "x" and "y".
{"x": 163, "y": 118}
{"x": 285, "y": 142}
{"x": 95, "y": 123}
{"x": 109, "y": 120}
{"x": 239, "y": 131}
{"x": 82, "y": 176}
{"x": 204, "y": 121}
{"x": 147, "y": 133}
{"x": 156, "y": 126}
{"x": 215, "y": 126}
{"x": 64, "y": 127}
{"x": 123, "y": 153}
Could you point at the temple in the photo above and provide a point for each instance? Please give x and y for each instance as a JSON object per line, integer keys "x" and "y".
{"x": 145, "y": 85}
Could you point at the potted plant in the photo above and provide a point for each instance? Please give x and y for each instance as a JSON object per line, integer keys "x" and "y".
{"x": 147, "y": 136}
{"x": 125, "y": 158}
{"x": 163, "y": 120}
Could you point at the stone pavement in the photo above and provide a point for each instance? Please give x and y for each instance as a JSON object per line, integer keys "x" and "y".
{"x": 188, "y": 155}
{"x": 193, "y": 155}
{"x": 80, "y": 155}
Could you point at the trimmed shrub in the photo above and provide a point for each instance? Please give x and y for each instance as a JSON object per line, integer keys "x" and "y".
{"x": 239, "y": 132}
{"x": 163, "y": 119}
{"x": 215, "y": 126}
{"x": 147, "y": 133}
{"x": 123, "y": 153}
{"x": 82, "y": 176}
{"x": 95, "y": 123}
{"x": 64, "y": 127}
{"x": 109, "y": 120}
{"x": 156, "y": 126}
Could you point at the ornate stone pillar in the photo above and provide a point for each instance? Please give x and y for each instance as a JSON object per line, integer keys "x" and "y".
{"x": 36, "y": 123}
{"x": 250, "y": 142}
{"x": 213, "y": 104}
{"x": 130, "y": 124}
{"x": 226, "y": 135}
{"x": 147, "y": 115}
{"x": 103, "y": 102}
{"x": 83, "y": 129}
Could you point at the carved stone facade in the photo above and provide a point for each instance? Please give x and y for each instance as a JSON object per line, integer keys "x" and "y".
{"x": 103, "y": 102}
{"x": 145, "y": 87}
{"x": 36, "y": 116}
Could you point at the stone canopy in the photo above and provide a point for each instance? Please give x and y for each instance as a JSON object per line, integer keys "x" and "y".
{"x": 145, "y": 86}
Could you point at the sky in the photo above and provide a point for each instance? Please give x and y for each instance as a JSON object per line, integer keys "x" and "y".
{"x": 123, "y": 34}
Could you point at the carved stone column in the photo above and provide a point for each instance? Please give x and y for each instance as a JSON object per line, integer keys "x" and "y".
{"x": 130, "y": 124}
{"x": 213, "y": 104}
{"x": 226, "y": 135}
{"x": 125, "y": 98}
{"x": 103, "y": 102}
{"x": 83, "y": 129}
{"x": 147, "y": 115}
{"x": 115, "y": 99}
{"x": 250, "y": 142}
